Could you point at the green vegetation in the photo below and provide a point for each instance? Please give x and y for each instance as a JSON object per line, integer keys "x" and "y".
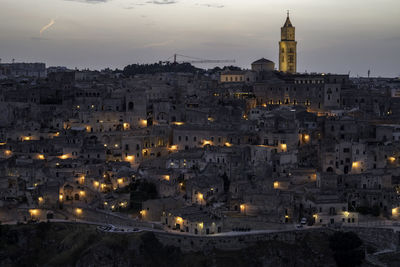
{"x": 161, "y": 67}
{"x": 347, "y": 247}
{"x": 62, "y": 244}
{"x": 227, "y": 182}
{"x": 134, "y": 69}
{"x": 374, "y": 211}
{"x": 140, "y": 191}
{"x": 38, "y": 244}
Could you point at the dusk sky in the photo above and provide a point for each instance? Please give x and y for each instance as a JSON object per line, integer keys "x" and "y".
{"x": 333, "y": 35}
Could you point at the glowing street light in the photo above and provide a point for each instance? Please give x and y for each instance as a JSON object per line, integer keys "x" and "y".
{"x": 395, "y": 211}
{"x": 227, "y": 144}
{"x": 284, "y": 147}
{"x": 276, "y": 185}
{"x": 143, "y": 213}
{"x": 63, "y": 156}
{"x": 78, "y": 211}
{"x": 173, "y": 148}
{"x": 242, "y": 208}
{"x": 143, "y": 123}
{"x": 207, "y": 142}
{"x": 34, "y": 212}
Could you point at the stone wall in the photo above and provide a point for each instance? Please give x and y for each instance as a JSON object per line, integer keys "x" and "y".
{"x": 230, "y": 242}
{"x": 383, "y": 238}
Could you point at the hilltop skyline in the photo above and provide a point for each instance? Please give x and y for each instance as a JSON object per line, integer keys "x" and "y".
{"x": 333, "y": 36}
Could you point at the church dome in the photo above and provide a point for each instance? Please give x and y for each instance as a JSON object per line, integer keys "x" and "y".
{"x": 261, "y": 61}
{"x": 263, "y": 64}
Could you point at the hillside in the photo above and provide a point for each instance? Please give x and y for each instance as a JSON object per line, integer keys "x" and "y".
{"x": 50, "y": 244}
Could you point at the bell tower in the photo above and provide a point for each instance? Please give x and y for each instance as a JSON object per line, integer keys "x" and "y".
{"x": 288, "y": 48}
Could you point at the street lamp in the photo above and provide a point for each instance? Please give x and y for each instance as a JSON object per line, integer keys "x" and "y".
{"x": 78, "y": 212}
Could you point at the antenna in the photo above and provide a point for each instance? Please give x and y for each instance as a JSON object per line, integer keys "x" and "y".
{"x": 287, "y": 13}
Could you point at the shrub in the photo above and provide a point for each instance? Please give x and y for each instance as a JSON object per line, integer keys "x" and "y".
{"x": 347, "y": 249}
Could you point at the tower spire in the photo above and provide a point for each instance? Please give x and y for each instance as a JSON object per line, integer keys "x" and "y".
{"x": 288, "y": 13}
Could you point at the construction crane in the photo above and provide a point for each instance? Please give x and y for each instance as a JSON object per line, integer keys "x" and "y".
{"x": 194, "y": 60}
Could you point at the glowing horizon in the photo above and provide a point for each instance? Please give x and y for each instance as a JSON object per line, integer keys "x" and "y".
{"x": 335, "y": 36}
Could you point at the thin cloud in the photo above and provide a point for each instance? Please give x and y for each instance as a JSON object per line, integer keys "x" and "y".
{"x": 212, "y": 5}
{"x": 158, "y": 44}
{"x": 162, "y": 2}
{"x": 39, "y": 39}
{"x": 89, "y": 1}
{"x": 222, "y": 44}
{"x": 46, "y": 27}
{"x": 133, "y": 6}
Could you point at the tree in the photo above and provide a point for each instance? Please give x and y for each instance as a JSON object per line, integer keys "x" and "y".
{"x": 141, "y": 191}
{"x": 347, "y": 249}
{"x": 226, "y": 182}
{"x": 134, "y": 69}
{"x": 232, "y": 68}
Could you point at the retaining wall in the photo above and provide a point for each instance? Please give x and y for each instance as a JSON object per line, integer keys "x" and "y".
{"x": 383, "y": 238}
